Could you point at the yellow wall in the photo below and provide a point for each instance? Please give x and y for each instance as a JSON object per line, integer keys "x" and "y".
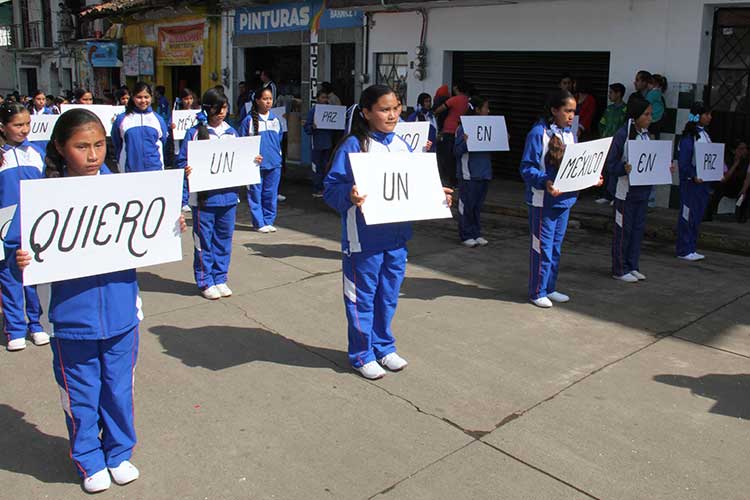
{"x": 134, "y": 35}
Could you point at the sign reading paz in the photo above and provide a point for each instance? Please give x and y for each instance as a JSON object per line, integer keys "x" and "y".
{"x": 225, "y": 163}
{"x": 415, "y": 134}
{"x": 83, "y": 226}
{"x": 183, "y": 120}
{"x": 709, "y": 161}
{"x": 330, "y": 117}
{"x": 399, "y": 187}
{"x": 106, "y": 113}
{"x": 41, "y": 127}
{"x": 582, "y": 165}
{"x": 650, "y": 162}
{"x": 485, "y": 133}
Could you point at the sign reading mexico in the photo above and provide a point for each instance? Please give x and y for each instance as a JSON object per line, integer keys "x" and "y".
{"x": 709, "y": 161}
{"x": 221, "y": 164}
{"x": 415, "y": 134}
{"x": 41, "y": 127}
{"x": 485, "y": 133}
{"x": 106, "y": 113}
{"x": 330, "y": 117}
{"x": 83, "y": 226}
{"x": 582, "y": 165}
{"x": 183, "y": 120}
{"x": 399, "y": 187}
{"x": 650, "y": 162}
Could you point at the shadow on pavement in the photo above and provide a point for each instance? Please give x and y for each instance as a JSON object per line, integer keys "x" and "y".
{"x": 27, "y": 450}
{"x": 729, "y": 391}
{"x": 220, "y": 347}
{"x": 434, "y": 288}
{"x": 150, "y": 282}
{"x": 284, "y": 250}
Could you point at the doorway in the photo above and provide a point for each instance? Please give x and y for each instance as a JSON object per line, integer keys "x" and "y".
{"x": 186, "y": 77}
{"x": 284, "y": 63}
{"x": 342, "y": 71}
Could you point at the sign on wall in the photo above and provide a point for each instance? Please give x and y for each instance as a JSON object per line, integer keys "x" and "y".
{"x": 296, "y": 16}
{"x": 130, "y": 60}
{"x": 104, "y": 54}
{"x": 181, "y": 45}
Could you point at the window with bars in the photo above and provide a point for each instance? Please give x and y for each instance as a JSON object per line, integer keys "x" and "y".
{"x": 730, "y": 61}
{"x": 392, "y": 68}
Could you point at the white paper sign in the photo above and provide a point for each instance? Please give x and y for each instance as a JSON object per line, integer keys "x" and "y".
{"x": 225, "y": 163}
{"x": 650, "y": 162}
{"x": 486, "y": 133}
{"x": 582, "y": 165}
{"x": 183, "y": 120}
{"x": 83, "y": 226}
{"x": 280, "y": 113}
{"x": 105, "y": 112}
{"x": 6, "y": 217}
{"x": 330, "y": 117}
{"x": 41, "y": 127}
{"x": 399, "y": 187}
{"x": 576, "y": 125}
{"x": 709, "y": 161}
{"x": 415, "y": 134}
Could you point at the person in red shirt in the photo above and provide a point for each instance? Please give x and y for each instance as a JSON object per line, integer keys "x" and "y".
{"x": 455, "y": 107}
{"x": 586, "y": 110}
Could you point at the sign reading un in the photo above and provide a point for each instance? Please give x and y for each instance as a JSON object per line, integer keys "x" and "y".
{"x": 292, "y": 17}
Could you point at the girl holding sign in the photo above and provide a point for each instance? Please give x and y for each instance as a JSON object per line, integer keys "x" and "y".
{"x": 214, "y": 212}
{"x": 474, "y": 171}
{"x": 95, "y": 320}
{"x": 322, "y": 143}
{"x": 185, "y": 101}
{"x": 139, "y": 135}
{"x": 374, "y": 260}
{"x": 20, "y": 160}
{"x": 631, "y": 202}
{"x": 423, "y": 113}
{"x": 694, "y": 193}
{"x": 263, "y": 197}
{"x": 549, "y": 209}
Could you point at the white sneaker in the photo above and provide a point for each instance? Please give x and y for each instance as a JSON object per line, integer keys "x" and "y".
{"x": 211, "y": 293}
{"x": 542, "y": 302}
{"x": 558, "y": 297}
{"x": 601, "y": 201}
{"x": 393, "y": 362}
{"x": 698, "y": 256}
{"x": 124, "y": 473}
{"x": 471, "y": 243}
{"x": 224, "y": 290}
{"x": 186, "y": 208}
{"x": 371, "y": 370}
{"x": 40, "y": 338}
{"x": 271, "y": 229}
{"x": 691, "y": 257}
{"x": 16, "y": 344}
{"x": 638, "y": 275}
{"x": 627, "y": 278}
{"x": 482, "y": 242}
{"x": 264, "y": 229}
{"x": 281, "y": 197}
{"x": 97, "y": 482}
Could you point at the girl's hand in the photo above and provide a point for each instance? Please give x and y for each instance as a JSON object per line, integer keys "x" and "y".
{"x": 427, "y": 146}
{"x": 601, "y": 181}
{"x": 466, "y": 137}
{"x": 182, "y": 223}
{"x": 173, "y": 126}
{"x": 448, "y": 195}
{"x": 23, "y": 259}
{"x": 697, "y": 180}
{"x": 259, "y": 159}
{"x": 552, "y": 190}
{"x": 356, "y": 199}
{"x": 672, "y": 168}
{"x": 628, "y": 168}
{"x": 188, "y": 171}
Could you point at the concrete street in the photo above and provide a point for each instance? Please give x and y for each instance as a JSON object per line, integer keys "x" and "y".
{"x": 628, "y": 392}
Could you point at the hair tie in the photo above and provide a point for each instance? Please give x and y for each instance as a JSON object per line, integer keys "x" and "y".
{"x": 202, "y": 118}
{"x": 694, "y": 118}
{"x": 471, "y": 106}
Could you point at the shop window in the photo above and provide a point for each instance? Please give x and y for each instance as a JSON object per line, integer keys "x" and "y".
{"x": 392, "y": 68}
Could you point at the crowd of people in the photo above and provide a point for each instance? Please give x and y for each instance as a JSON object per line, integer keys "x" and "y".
{"x": 95, "y": 319}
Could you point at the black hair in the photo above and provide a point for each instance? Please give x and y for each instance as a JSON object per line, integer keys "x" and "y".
{"x": 139, "y": 87}
{"x": 241, "y": 83}
{"x": 50, "y": 97}
{"x": 661, "y": 81}
{"x": 160, "y": 89}
{"x": 475, "y": 103}
{"x": 463, "y": 86}
{"x": 64, "y": 129}
{"x": 618, "y": 87}
{"x": 80, "y": 92}
{"x": 326, "y": 87}
{"x": 643, "y": 75}
{"x": 583, "y": 85}
{"x": 120, "y": 93}
{"x": 220, "y": 88}
{"x": 37, "y": 92}
{"x": 320, "y": 92}
{"x": 8, "y": 110}
{"x": 421, "y": 110}
{"x": 636, "y": 107}
{"x": 565, "y": 75}
{"x": 691, "y": 128}
{"x": 186, "y": 92}
{"x": 555, "y": 100}
{"x": 254, "y": 109}
{"x": 213, "y": 101}
{"x": 360, "y": 126}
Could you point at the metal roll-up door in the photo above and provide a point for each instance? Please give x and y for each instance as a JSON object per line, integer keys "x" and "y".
{"x": 517, "y": 83}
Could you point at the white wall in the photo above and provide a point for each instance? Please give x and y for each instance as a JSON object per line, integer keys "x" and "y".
{"x": 663, "y": 36}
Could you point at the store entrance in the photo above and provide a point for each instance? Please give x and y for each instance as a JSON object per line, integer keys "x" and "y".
{"x": 284, "y": 63}
{"x": 342, "y": 71}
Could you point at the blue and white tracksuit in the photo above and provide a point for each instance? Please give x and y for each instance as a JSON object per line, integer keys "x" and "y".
{"x": 24, "y": 161}
{"x": 432, "y": 134}
{"x": 94, "y": 351}
{"x": 630, "y": 204}
{"x": 139, "y": 139}
{"x": 374, "y": 261}
{"x": 262, "y": 197}
{"x": 214, "y": 213}
{"x": 693, "y": 197}
{"x": 322, "y": 143}
{"x": 474, "y": 172}
{"x": 548, "y": 216}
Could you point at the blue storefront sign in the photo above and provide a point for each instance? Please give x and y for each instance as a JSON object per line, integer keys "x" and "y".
{"x": 104, "y": 54}
{"x": 292, "y": 17}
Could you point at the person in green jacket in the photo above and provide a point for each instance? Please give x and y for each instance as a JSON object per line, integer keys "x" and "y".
{"x": 613, "y": 119}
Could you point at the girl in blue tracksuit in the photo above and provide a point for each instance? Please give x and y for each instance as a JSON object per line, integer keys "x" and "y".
{"x": 139, "y": 135}
{"x": 423, "y": 113}
{"x": 185, "y": 101}
{"x": 474, "y": 172}
{"x": 39, "y": 107}
{"x": 20, "y": 160}
{"x": 95, "y": 328}
{"x": 694, "y": 193}
{"x": 548, "y": 208}
{"x": 374, "y": 260}
{"x": 630, "y": 202}
{"x": 262, "y": 197}
{"x": 322, "y": 143}
{"x": 214, "y": 211}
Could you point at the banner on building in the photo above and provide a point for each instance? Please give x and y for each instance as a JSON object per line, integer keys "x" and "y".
{"x": 130, "y": 60}
{"x": 104, "y": 54}
{"x": 295, "y": 16}
{"x": 181, "y": 45}
{"x": 146, "y": 61}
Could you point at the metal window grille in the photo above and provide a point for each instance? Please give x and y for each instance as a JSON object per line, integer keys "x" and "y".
{"x": 729, "y": 87}
{"x": 392, "y": 68}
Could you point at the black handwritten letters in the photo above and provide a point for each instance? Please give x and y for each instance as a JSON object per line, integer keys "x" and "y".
{"x": 399, "y": 186}
{"x": 329, "y": 117}
{"x": 222, "y": 162}
{"x": 646, "y": 163}
{"x": 581, "y": 165}
{"x": 484, "y": 133}
{"x": 709, "y": 161}
{"x": 412, "y": 139}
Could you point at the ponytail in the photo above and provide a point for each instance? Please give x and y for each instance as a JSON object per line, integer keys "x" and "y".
{"x": 691, "y": 127}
